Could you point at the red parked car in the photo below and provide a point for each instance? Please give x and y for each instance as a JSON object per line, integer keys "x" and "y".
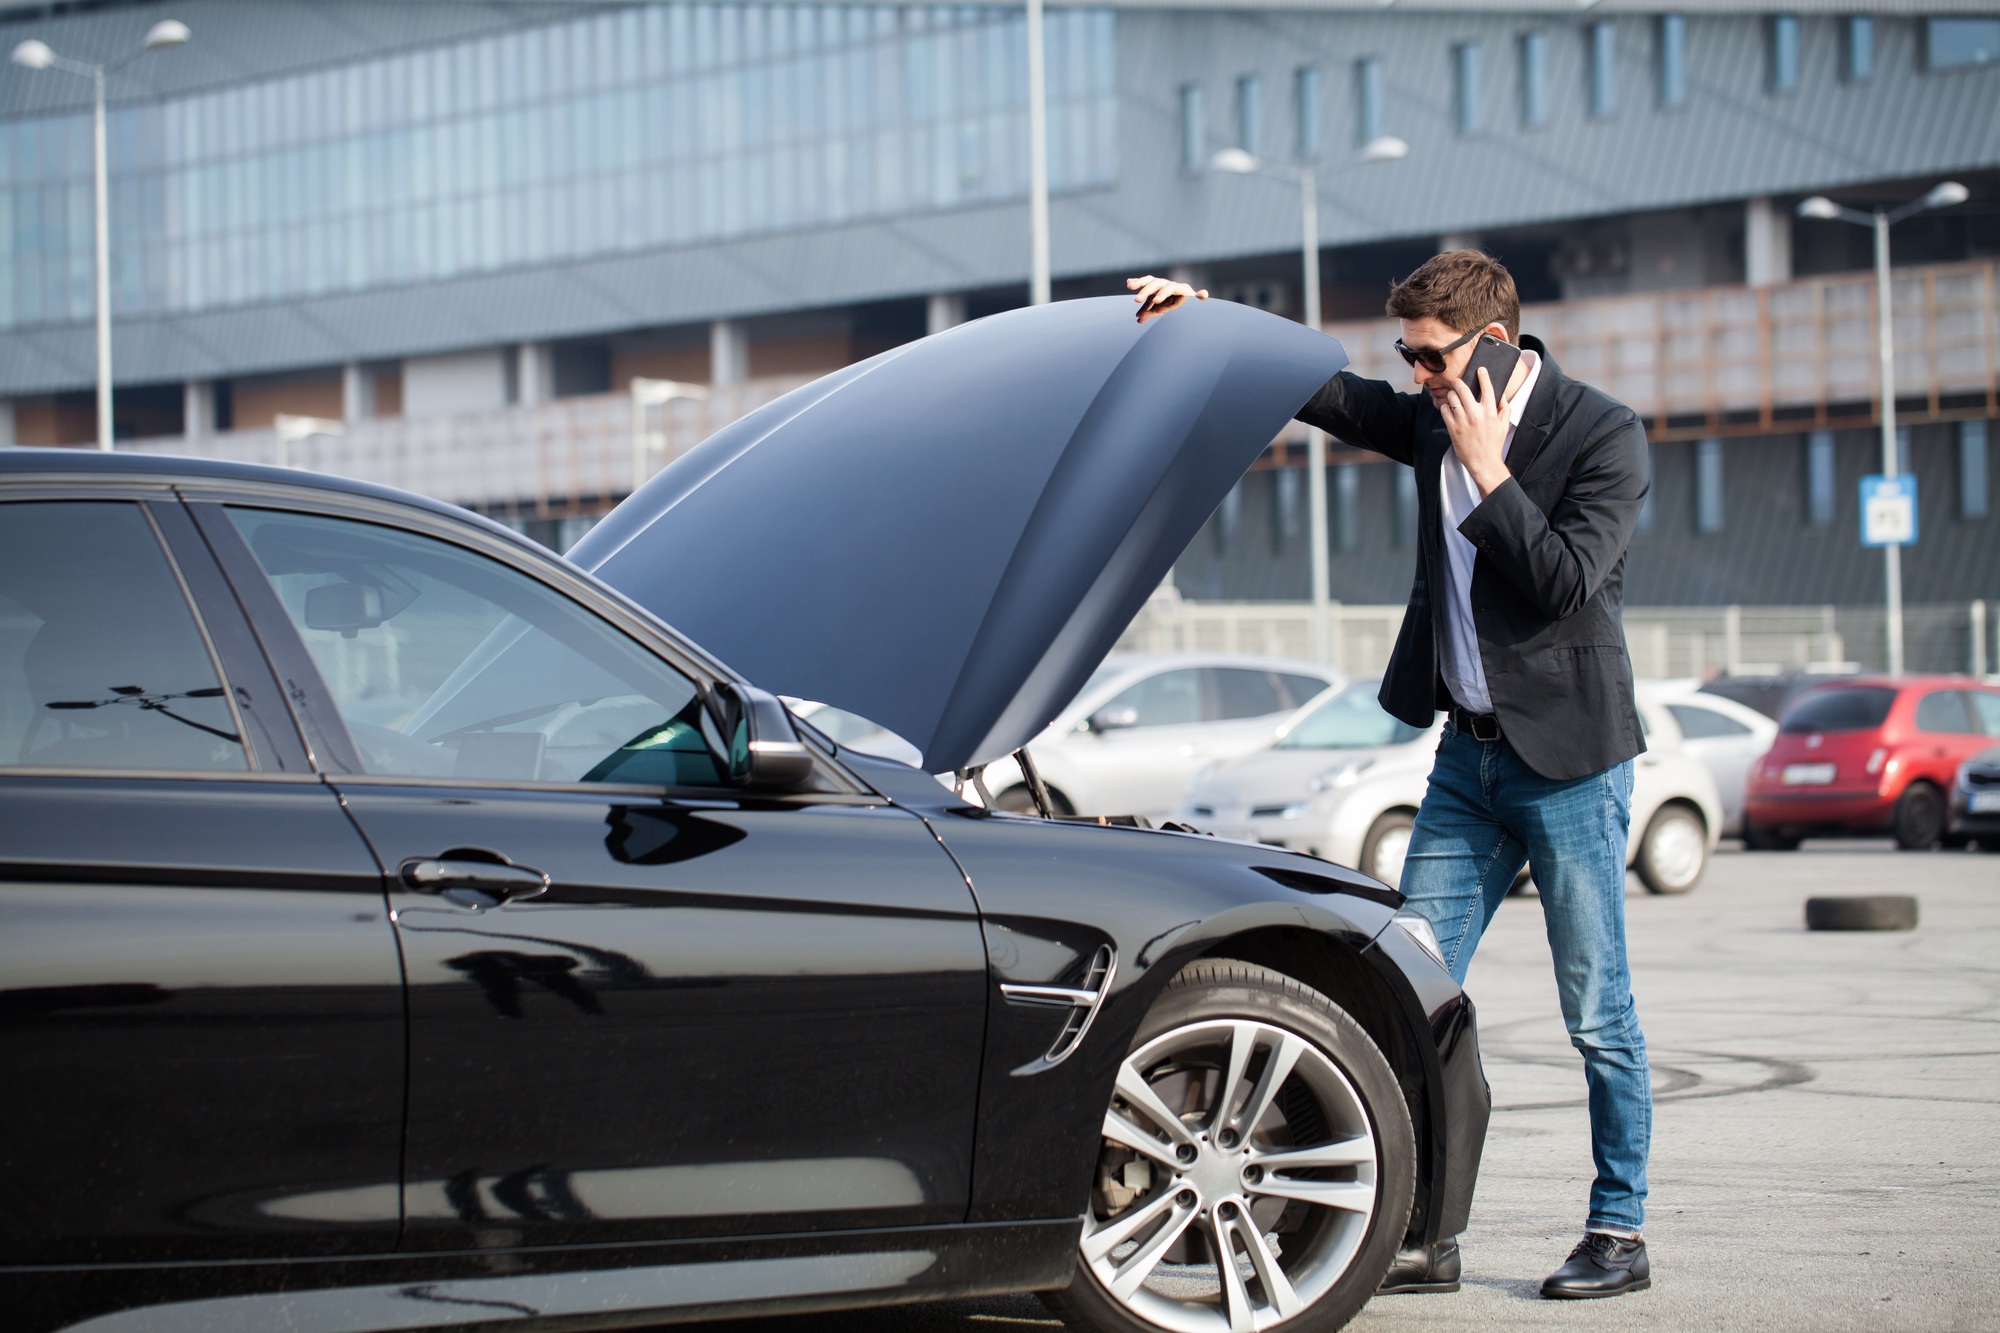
{"x": 1869, "y": 755}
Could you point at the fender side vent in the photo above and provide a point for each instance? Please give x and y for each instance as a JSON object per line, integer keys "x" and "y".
{"x": 1305, "y": 881}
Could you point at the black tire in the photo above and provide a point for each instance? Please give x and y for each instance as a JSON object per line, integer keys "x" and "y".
{"x": 1882, "y": 911}
{"x": 1382, "y": 830}
{"x": 1919, "y": 819}
{"x": 1018, "y": 800}
{"x": 1221, "y": 989}
{"x": 1766, "y": 840}
{"x": 1673, "y": 851}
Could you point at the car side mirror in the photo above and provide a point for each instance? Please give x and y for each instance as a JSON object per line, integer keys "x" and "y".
{"x": 765, "y": 752}
{"x": 1114, "y": 718}
{"x": 346, "y": 607}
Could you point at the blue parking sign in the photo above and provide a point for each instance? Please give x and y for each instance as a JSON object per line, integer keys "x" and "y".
{"x": 1889, "y": 510}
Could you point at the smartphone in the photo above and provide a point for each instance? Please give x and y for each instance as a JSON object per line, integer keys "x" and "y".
{"x": 1497, "y": 358}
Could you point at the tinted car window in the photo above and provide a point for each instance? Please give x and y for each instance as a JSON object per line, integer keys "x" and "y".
{"x": 1986, "y": 707}
{"x": 1299, "y": 688}
{"x": 1946, "y": 711}
{"x": 102, "y": 665}
{"x": 1854, "y": 708}
{"x": 1700, "y": 724}
{"x": 1243, "y": 693}
{"x": 445, "y": 663}
{"x": 1168, "y": 698}
{"x": 1350, "y": 720}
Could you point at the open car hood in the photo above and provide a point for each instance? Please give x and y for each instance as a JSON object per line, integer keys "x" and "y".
{"x": 946, "y": 539}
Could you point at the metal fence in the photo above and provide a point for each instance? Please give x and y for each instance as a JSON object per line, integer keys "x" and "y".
{"x": 1664, "y": 640}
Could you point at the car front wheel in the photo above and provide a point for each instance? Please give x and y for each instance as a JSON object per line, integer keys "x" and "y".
{"x": 1673, "y": 851}
{"x": 1387, "y": 843}
{"x": 1256, "y": 1168}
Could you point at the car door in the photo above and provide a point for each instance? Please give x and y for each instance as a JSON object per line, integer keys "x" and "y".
{"x": 201, "y": 1010}
{"x": 1951, "y": 734}
{"x": 1728, "y": 749}
{"x": 643, "y": 1004}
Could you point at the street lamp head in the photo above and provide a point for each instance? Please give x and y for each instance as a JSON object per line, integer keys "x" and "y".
{"x": 1233, "y": 159}
{"x": 167, "y": 32}
{"x": 1945, "y": 194}
{"x": 1388, "y": 148}
{"x": 33, "y": 54}
{"x": 1819, "y": 206}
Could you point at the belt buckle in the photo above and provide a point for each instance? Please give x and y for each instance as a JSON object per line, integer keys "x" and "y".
{"x": 1481, "y": 724}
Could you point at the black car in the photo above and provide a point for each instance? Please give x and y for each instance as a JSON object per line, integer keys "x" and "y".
{"x": 401, "y": 927}
{"x": 1975, "y": 802}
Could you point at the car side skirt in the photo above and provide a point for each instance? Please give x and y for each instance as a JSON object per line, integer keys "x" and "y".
{"x": 582, "y": 1287}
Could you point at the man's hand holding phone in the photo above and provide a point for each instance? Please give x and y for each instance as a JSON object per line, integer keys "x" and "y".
{"x": 1156, "y": 296}
{"x": 1478, "y": 425}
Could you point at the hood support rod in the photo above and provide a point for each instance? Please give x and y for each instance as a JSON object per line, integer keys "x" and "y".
{"x": 1036, "y": 788}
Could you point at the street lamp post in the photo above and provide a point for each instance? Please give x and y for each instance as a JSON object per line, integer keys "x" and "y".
{"x": 1820, "y": 207}
{"x": 35, "y": 54}
{"x": 1236, "y": 160}
{"x": 1038, "y": 159}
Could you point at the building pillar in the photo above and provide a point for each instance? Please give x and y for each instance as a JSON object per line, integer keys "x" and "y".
{"x": 1767, "y": 243}
{"x": 197, "y": 409}
{"x": 1458, "y": 240}
{"x": 728, "y": 352}
{"x": 944, "y": 310}
{"x": 357, "y": 392}
{"x": 534, "y": 374}
{"x": 6, "y": 425}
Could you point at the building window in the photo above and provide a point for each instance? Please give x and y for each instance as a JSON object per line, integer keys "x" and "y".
{"x": 1229, "y": 520}
{"x": 1368, "y": 98}
{"x": 1784, "y": 52}
{"x": 1406, "y": 506}
{"x": 1974, "y": 494}
{"x": 1603, "y": 37}
{"x": 1903, "y": 463}
{"x": 1673, "y": 59}
{"x": 1857, "y": 50}
{"x": 1820, "y": 491}
{"x": 1465, "y": 62}
{"x": 1347, "y": 506}
{"x": 1708, "y": 486}
{"x": 1534, "y": 79}
{"x": 1308, "y": 95}
{"x": 1960, "y": 43}
{"x": 1192, "y": 158}
{"x": 1285, "y": 508}
{"x": 1250, "y": 115}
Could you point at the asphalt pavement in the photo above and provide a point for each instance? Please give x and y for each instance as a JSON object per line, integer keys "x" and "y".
{"x": 1826, "y": 1149}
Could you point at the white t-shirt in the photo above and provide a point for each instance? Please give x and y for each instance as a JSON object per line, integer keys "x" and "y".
{"x": 1464, "y": 673}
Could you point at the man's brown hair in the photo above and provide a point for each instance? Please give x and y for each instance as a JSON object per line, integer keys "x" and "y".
{"x": 1462, "y": 290}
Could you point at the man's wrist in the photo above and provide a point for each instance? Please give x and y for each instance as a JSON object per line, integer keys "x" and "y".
{"x": 1491, "y": 479}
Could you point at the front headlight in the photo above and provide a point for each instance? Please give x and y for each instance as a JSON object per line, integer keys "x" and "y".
{"x": 1334, "y": 779}
{"x": 1419, "y": 929}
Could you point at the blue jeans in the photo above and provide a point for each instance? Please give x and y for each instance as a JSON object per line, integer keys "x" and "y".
{"x": 1485, "y": 815}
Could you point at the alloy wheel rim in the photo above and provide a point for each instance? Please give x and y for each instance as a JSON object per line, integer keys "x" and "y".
{"x": 1271, "y": 1160}
{"x": 1390, "y": 851}
{"x": 1677, "y": 851}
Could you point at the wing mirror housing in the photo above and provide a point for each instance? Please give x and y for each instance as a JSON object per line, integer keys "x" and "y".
{"x": 765, "y": 752}
{"x": 1114, "y": 718}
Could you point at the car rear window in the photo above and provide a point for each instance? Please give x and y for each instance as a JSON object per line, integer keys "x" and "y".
{"x": 1855, "y": 708}
{"x": 1700, "y": 724}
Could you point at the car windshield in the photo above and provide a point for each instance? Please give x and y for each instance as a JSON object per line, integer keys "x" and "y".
{"x": 1856, "y": 708}
{"x": 1350, "y": 720}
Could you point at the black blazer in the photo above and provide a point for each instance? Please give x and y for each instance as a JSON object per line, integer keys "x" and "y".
{"x": 1548, "y": 581}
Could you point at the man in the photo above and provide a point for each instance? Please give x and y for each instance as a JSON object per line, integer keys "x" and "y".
{"x": 1527, "y": 495}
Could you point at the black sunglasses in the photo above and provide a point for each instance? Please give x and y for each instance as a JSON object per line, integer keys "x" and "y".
{"x": 1432, "y": 358}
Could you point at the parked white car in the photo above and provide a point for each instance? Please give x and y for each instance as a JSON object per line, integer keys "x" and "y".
{"x": 1726, "y": 736}
{"x": 1144, "y": 724}
{"x": 1343, "y": 782}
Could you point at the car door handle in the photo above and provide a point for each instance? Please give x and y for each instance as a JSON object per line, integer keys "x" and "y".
{"x": 466, "y": 881}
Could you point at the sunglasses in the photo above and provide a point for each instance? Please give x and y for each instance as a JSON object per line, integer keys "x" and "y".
{"x": 1432, "y": 358}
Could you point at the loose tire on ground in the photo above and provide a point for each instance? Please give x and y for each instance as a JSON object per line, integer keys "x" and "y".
{"x": 1883, "y": 911}
{"x": 1919, "y": 819}
{"x": 1340, "y": 1103}
{"x": 1673, "y": 851}
{"x": 1382, "y": 850}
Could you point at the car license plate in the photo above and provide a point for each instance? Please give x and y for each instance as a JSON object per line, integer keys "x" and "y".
{"x": 1808, "y": 775}
{"x": 1985, "y": 802}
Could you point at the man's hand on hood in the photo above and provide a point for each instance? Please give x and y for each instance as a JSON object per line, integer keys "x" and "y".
{"x": 1156, "y": 296}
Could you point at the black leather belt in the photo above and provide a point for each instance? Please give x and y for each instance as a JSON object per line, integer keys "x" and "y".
{"x": 1481, "y": 726}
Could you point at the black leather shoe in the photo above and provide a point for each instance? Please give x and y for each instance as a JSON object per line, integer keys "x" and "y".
{"x": 1600, "y": 1265}
{"x": 1422, "y": 1268}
